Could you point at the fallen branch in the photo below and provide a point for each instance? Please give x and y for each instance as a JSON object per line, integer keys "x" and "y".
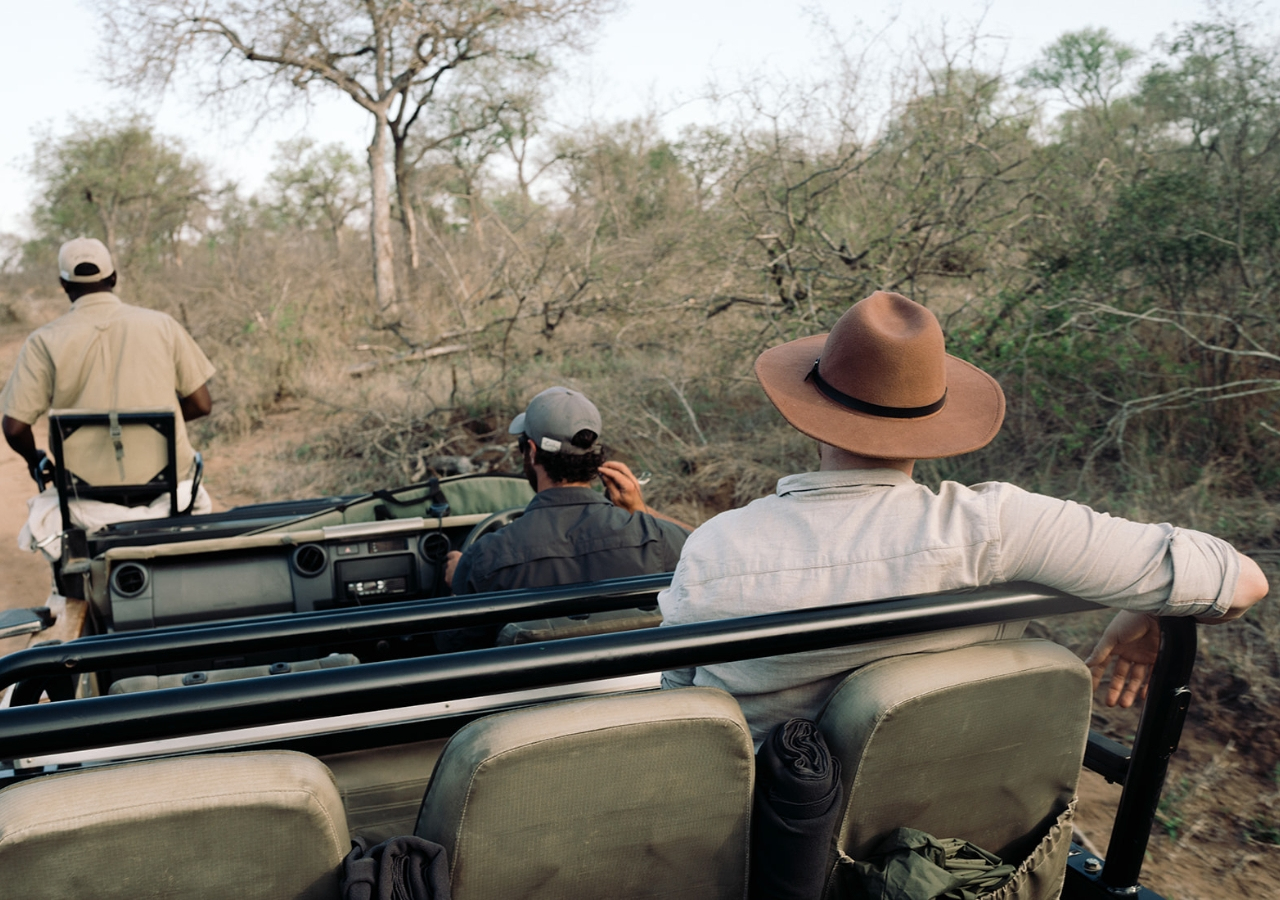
{"x": 413, "y": 356}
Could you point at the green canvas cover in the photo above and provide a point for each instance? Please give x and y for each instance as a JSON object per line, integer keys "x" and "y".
{"x": 1038, "y": 877}
{"x": 466, "y": 495}
{"x": 472, "y": 494}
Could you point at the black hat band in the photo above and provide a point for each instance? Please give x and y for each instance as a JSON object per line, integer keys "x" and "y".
{"x": 835, "y": 395}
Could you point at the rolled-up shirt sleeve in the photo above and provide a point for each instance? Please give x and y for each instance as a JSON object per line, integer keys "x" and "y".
{"x": 1159, "y": 569}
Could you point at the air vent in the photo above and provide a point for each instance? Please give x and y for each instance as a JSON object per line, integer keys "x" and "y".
{"x": 310, "y": 560}
{"x": 434, "y": 547}
{"x": 129, "y": 579}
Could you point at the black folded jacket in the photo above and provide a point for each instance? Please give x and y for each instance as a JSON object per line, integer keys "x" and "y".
{"x": 400, "y": 868}
{"x": 796, "y": 809}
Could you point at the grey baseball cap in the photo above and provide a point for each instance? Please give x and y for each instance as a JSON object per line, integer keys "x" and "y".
{"x": 553, "y": 417}
{"x": 84, "y": 261}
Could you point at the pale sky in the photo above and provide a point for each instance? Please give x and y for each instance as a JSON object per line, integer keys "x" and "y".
{"x": 653, "y": 55}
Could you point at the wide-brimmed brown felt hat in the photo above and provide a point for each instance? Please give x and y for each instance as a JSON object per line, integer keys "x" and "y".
{"x": 881, "y": 384}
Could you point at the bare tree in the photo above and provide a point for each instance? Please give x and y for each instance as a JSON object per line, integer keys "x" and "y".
{"x": 394, "y": 58}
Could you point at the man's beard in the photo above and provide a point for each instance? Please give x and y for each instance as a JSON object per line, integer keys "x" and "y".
{"x": 529, "y": 473}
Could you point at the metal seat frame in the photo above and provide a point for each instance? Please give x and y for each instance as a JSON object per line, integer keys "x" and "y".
{"x": 70, "y": 486}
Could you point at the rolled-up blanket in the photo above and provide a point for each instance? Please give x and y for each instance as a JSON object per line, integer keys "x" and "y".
{"x": 796, "y": 809}
{"x": 400, "y": 868}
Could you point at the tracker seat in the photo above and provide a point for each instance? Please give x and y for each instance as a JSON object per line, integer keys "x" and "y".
{"x": 125, "y": 457}
{"x": 118, "y": 456}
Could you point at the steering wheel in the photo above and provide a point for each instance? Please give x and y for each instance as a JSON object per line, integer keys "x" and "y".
{"x": 492, "y": 523}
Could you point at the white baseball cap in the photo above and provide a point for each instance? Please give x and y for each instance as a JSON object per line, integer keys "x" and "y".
{"x": 84, "y": 261}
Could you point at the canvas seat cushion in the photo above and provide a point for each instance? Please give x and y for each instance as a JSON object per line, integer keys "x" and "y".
{"x": 237, "y": 826}
{"x": 620, "y": 796}
{"x": 983, "y": 743}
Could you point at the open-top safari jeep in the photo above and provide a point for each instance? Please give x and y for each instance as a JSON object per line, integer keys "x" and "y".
{"x": 255, "y": 688}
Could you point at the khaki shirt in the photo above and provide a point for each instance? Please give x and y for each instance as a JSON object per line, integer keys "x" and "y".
{"x": 103, "y": 355}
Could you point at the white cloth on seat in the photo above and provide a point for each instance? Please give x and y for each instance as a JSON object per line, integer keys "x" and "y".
{"x": 43, "y": 529}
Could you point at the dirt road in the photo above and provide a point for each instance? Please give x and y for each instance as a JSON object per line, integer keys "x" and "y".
{"x": 25, "y": 576}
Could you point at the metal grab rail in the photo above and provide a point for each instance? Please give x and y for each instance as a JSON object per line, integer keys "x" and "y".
{"x": 55, "y": 727}
{"x": 123, "y": 718}
{"x": 1159, "y": 728}
{"x": 161, "y": 645}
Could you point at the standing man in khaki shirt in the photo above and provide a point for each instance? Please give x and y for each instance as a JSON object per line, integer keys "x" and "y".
{"x": 103, "y": 355}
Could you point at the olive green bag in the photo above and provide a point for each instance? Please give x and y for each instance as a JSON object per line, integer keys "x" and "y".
{"x": 913, "y": 865}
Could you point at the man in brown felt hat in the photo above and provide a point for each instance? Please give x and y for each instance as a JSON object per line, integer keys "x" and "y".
{"x": 878, "y": 393}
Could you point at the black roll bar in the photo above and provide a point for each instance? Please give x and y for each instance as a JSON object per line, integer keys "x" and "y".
{"x": 1168, "y": 699}
{"x": 127, "y": 718}
{"x": 1159, "y": 728}
{"x": 174, "y": 644}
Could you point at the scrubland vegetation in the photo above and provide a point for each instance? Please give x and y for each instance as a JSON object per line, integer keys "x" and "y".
{"x": 1101, "y": 233}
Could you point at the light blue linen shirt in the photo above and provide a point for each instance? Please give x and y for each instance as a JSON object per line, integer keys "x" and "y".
{"x": 861, "y": 535}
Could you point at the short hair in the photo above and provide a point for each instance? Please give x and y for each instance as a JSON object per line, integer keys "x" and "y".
{"x": 76, "y": 289}
{"x": 571, "y": 468}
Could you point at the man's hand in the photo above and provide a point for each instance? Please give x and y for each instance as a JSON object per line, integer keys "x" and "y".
{"x": 450, "y": 565}
{"x": 1133, "y": 640}
{"x": 42, "y": 469}
{"x": 622, "y": 487}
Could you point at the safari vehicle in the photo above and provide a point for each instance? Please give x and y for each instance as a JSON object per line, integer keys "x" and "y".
{"x": 261, "y": 690}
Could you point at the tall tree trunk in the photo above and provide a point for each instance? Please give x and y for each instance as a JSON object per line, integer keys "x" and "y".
{"x": 408, "y": 221}
{"x": 384, "y": 270}
{"x": 405, "y": 195}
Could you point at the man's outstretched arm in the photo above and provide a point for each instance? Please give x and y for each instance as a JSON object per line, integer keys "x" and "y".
{"x": 1132, "y": 640}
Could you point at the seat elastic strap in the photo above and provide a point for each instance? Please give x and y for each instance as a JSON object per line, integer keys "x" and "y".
{"x": 116, "y": 440}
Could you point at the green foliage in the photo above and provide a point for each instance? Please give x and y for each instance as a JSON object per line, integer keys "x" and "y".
{"x": 1149, "y": 331}
{"x": 1261, "y": 831}
{"x": 315, "y": 187}
{"x": 631, "y": 177}
{"x": 1084, "y": 67}
{"x": 1169, "y": 812}
{"x": 122, "y": 184}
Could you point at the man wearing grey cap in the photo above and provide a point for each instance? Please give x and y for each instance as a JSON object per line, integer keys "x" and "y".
{"x": 568, "y": 533}
{"x": 102, "y": 355}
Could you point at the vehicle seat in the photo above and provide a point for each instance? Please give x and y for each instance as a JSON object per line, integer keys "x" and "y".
{"x": 119, "y": 456}
{"x": 637, "y": 795}
{"x": 983, "y": 743}
{"x": 239, "y": 826}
